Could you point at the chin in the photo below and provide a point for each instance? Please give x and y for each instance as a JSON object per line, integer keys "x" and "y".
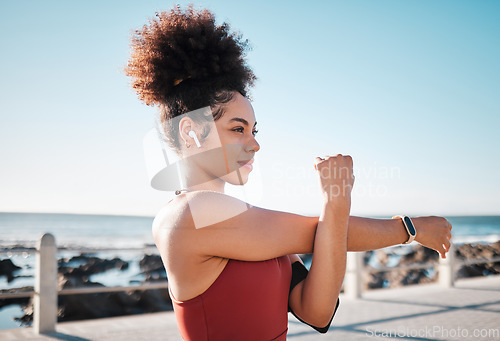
{"x": 233, "y": 178}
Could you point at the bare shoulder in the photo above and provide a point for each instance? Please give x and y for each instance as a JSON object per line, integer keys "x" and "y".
{"x": 199, "y": 209}
{"x": 209, "y": 208}
{"x": 171, "y": 216}
{"x": 194, "y": 210}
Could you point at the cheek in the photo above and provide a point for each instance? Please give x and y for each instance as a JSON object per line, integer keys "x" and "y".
{"x": 220, "y": 160}
{"x": 226, "y": 141}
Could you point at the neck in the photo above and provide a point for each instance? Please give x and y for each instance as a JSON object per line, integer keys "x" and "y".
{"x": 216, "y": 185}
{"x": 195, "y": 179}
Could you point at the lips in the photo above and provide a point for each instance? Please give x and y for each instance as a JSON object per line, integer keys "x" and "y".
{"x": 246, "y": 162}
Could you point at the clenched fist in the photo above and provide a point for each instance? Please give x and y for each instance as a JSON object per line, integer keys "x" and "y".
{"x": 336, "y": 179}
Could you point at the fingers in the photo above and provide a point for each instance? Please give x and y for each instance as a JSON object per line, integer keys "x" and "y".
{"x": 339, "y": 160}
{"x": 442, "y": 249}
{"x": 443, "y": 254}
{"x": 318, "y": 160}
{"x": 447, "y": 245}
{"x": 336, "y": 177}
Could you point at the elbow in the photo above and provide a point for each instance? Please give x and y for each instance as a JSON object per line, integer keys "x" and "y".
{"x": 322, "y": 325}
{"x": 321, "y": 321}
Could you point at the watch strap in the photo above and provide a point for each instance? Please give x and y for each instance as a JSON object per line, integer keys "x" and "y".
{"x": 408, "y": 224}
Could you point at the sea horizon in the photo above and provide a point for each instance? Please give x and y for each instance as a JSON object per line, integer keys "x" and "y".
{"x": 91, "y": 230}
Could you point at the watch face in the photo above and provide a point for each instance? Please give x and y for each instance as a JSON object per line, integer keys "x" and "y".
{"x": 410, "y": 227}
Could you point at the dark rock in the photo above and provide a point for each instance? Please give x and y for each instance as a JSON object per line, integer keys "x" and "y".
{"x": 402, "y": 277}
{"x": 399, "y": 277}
{"x": 154, "y": 300}
{"x": 75, "y": 273}
{"x": 88, "y": 306}
{"x": 150, "y": 263}
{"x": 7, "y": 269}
{"x": 22, "y": 301}
{"x": 477, "y": 251}
{"x": 374, "y": 280}
{"x": 89, "y": 265}
{"x": 27, "y": 318}
{"x": 419, "y": 255}
{"x": 152, "y": 268}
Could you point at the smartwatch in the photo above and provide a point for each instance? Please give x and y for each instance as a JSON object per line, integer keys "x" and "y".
{"x": 412, "y": 233}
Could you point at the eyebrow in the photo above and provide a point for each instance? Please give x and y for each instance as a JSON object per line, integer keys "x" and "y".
{"x": 242, "y": 120}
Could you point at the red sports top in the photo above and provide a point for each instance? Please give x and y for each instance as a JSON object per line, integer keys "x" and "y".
{"x": 248, "y": 301}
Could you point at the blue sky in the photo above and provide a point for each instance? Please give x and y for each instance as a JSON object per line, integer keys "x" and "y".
{"x": 410, "y": 89}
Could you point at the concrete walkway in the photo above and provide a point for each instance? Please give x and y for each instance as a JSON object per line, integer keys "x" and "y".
{"x": 470, "y": 311}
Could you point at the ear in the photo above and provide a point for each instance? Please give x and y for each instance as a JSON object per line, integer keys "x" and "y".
{"x": 185, "y": 125}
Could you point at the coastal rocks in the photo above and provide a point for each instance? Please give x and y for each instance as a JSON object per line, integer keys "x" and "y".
{"x": 475, "y": 251}
{"x": 23, "y": 301}
{"x": 7, "y": 269}
{"x": 373, "y": 280}
{"x": 418, "y": 254}
{"x": 152, "y": 268}
{"x": 397, "y": 277}
{"x": 84, "y": 266}
{"x": 76, "y": 273}
{"x": 402, "y": 277}
{"x": 86, "y": 306}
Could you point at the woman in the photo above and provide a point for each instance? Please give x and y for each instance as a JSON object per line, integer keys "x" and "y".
{"x": 233, "y": 268}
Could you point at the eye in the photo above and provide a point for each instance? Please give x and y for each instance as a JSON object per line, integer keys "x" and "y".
{"x": 241, "y": 130}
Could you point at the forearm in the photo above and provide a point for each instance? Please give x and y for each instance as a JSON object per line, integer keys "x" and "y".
{"x": 370, "y": 234}
{"x": 324, "y": 281}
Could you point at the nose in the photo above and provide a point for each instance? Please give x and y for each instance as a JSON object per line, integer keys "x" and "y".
{"x": 253, "y": 145}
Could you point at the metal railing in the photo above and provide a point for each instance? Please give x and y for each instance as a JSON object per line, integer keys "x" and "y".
{"x": 45, "y": 293}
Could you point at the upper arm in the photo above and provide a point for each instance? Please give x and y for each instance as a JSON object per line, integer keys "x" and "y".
{"x": 295, "y": 299}
{"x": 214, "y": 224}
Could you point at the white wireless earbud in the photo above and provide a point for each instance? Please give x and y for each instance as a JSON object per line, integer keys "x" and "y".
{"x": 193, "y": 135}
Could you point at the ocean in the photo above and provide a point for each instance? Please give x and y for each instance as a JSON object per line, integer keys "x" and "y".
{"x": 77, "y": 231}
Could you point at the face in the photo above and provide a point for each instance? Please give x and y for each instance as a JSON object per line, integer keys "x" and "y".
{"x": 227, "y": 152}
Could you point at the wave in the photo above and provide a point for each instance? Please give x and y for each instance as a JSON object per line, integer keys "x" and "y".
{"x": 478, "y": 239}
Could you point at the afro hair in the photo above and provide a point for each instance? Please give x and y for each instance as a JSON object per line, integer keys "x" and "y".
{"x": 182, "y": 60}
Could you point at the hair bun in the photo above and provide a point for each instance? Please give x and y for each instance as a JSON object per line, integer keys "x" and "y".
{"x": 179, "y": 50}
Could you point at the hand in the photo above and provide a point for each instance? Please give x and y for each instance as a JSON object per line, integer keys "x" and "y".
{"x": 433, "y": 232}
{"x": 336, "y": 180}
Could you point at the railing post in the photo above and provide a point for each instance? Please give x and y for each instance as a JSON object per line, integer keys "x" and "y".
{"x": 446, "y": 269}
{"x": 45, "y": 299}
{"x": 353, "y": 275}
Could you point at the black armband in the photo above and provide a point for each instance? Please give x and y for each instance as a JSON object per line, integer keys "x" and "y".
{"x": 299, "y": 273}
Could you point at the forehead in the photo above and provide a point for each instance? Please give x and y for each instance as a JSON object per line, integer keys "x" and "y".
{"x": 238, "y": 107}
